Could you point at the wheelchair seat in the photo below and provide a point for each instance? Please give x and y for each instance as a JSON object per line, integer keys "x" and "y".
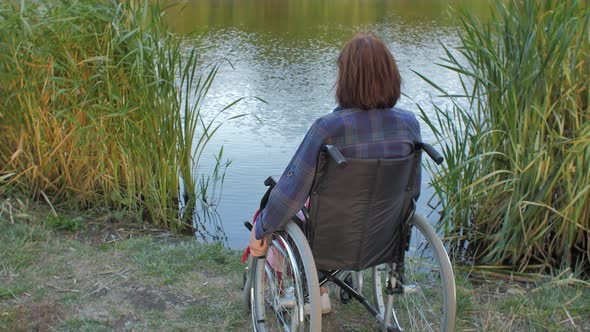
{"x": 357, "y": 212}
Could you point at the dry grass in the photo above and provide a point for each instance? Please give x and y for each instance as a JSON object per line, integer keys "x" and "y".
{"x": 100, "y": 109}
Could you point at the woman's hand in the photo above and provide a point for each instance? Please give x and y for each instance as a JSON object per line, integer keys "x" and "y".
{"x": 257, "y": 247}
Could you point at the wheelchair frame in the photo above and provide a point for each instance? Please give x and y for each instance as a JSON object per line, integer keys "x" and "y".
{"x": 298, "y": 319}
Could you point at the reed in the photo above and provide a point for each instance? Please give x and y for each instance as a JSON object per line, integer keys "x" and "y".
{"x": 515, "y": 189}
{"x": 101, "y": 108}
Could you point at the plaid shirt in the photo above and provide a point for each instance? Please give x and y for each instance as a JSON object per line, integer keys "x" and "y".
{"x": 380, "y": 133}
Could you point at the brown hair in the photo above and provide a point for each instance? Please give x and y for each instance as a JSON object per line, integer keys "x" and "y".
{"x": 368, "y": 77}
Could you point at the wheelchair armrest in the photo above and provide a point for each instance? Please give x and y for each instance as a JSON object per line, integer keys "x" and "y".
{"x": 248, "y": 225}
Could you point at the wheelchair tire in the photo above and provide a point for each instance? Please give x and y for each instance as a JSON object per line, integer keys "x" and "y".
{"x": 285, "y": 293}
{"x": 247, "y": 284}
{"x": 428, "y": 300}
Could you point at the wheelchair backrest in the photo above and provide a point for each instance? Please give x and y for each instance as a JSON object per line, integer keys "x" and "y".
{"x": 357, "y": 212}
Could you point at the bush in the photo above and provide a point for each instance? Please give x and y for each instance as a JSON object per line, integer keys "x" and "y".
{"x": 515, "y": 189}
{"x": 95, "y": 108}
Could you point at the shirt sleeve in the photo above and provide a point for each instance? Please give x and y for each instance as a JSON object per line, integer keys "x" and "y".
{"x": 292, "y": 189}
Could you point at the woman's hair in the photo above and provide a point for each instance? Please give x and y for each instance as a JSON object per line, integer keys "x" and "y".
{"x": 368, "y": 77}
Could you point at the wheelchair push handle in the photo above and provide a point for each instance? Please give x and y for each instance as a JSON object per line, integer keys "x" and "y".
{"x": 432, "y": 153}
{"x": 336, "y": 155}
{"x": 270, "y": 183}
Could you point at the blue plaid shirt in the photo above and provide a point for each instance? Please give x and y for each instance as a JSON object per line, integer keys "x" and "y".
{"x": 379, "y": 133}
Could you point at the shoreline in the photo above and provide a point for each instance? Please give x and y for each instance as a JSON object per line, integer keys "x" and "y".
{"x": 106, "y": 274}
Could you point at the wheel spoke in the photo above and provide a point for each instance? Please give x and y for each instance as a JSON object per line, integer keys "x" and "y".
{"x": 428, "y": 302}
{"x": 281, "y": 285}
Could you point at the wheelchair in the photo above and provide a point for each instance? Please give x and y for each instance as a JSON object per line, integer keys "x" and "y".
{"x": 360, "y": 234}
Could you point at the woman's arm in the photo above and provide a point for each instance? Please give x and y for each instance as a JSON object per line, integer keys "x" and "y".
{"x": 292, "y": 189}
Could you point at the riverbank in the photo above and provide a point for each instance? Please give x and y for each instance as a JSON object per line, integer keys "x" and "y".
{"x": 99, "y": 273}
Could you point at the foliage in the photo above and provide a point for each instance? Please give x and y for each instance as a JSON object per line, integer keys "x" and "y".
{"x": 65, "y": 223}
{"x": 515, "y": 189}
{"x": 100, "y": 107}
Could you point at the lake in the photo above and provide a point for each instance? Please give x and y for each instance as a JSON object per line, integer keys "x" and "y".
{"x": 284, "y": 52}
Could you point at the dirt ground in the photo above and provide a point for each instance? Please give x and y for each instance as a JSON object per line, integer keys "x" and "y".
{"x": 111, "y": 276}
{"x": 117, "y": 277}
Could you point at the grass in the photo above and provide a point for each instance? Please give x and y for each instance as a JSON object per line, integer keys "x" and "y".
{"x": 11, "y": 292}
{"x": 85, "y": 325}
{"x": 84, "y": 281}
{"x": 541, "y": 307}
{"x": 169, "y": 261}
{"x": 515, "y": 189}
{"x": 18, "y": 249}
{"x": 71, "y": 279}
{"x": 100, "y": 108}
{"x": 215, "y": 316}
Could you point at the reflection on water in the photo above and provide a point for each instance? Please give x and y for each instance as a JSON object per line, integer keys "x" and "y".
{"x": 304, "y": 17}
{"x": 285, "y": 53}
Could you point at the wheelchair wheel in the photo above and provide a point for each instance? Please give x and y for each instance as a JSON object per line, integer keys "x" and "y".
{"x": 285, "y": 292}
{"x": 428, "y": 300}
{"x": 247, "y": 284}
{"x": 354, "y": 279}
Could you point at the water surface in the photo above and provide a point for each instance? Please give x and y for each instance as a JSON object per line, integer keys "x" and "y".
{"x": 284, "y": 52}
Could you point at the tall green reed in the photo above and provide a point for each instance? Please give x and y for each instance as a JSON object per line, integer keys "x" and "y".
{"x": 515, "y": 189}
{"x": 101, "y": 107}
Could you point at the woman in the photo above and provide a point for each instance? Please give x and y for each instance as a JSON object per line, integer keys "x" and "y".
{"x": 364, "y": 125}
